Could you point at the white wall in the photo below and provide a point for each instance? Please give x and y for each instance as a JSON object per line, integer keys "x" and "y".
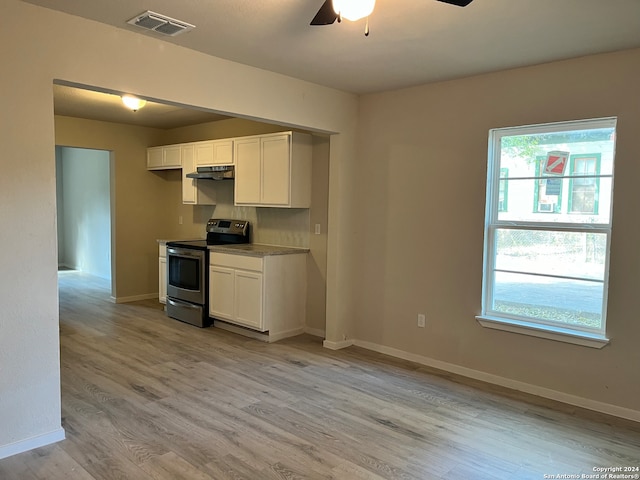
{"x": 40, "y": 46}
{"x": 85, "y": 211}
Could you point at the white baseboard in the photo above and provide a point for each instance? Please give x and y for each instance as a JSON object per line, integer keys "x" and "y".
{"x": 316, "y": 332}
{"x": 337, "y": 345}
{"x": 262, "y": 336}
{"x": 562, "y": 397}
{"x": 134, "y": 298}
{"x": 274, "y": 337}
{"x": 31, "y": 443}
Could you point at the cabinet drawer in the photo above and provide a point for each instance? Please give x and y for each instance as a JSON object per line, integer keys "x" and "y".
{"x": 241, "y": 262}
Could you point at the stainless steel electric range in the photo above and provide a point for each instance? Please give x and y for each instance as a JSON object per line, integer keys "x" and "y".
{"x": 188, "y": 268}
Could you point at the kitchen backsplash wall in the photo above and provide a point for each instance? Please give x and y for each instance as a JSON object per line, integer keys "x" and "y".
{"x": 273, "y": 226}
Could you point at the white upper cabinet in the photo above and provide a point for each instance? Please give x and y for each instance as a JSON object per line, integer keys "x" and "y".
{"x": 214, "y": 152}
{"x": 195, "y": 192}
{"x": 163, "y": 158}
{"x": 273, "y": 170}
{"x": 248, "y": 171}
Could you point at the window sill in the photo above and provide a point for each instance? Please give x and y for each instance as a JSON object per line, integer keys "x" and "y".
{"x": 552, "y": 333}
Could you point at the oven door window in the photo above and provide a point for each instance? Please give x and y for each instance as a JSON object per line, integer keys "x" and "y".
{"x": 184, "y": 273}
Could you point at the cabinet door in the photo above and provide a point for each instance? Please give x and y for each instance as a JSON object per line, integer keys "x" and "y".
{"x": 221, "y": 290}
{"x": 248, "y": 299}
{"x": 172, "y": 156}
{"x": 154, "y": 158}
{"x": 223, "y": 152}
{"x": 247, "y": 182}
{"x": 189, "y": 192}
{"x": 215, "y": 152}
{"x": 276, "y": 170}
{"x": 162, "y": 280}
{"x": 204, "y": 153}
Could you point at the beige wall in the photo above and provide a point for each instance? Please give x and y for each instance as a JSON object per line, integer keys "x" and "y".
{"x": 141, "y": 198}
{"x": 40, "y": 46}
{"x": 420, "y": 197}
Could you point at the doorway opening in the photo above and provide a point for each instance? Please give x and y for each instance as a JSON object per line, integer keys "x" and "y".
{"x": 83, "y": 190}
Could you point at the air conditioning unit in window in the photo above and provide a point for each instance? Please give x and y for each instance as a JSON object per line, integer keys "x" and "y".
{"x": 546, "y": 207}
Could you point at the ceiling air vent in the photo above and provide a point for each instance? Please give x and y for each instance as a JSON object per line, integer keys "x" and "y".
{"x": 160, "y": 23}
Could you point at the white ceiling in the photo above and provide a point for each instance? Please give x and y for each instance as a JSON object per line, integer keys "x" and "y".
{"x": 412, "y": 42}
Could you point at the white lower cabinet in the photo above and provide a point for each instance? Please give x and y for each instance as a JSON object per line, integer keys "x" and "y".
{"x": 162, "y": 278}
{"x": 248, "y": 299}
{"x": 265, "y": 294}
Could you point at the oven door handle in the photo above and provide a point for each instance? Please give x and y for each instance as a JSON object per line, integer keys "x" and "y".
{"x": 181, "y": 253}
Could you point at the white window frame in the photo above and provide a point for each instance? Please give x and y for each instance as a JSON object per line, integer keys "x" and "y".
{"x": 501, "y": 321}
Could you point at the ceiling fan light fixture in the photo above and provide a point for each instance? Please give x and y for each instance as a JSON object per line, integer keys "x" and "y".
{"x": 133, "y": 103}
{"x": 353, "y": 9}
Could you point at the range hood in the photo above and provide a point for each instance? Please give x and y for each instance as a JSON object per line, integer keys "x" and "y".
{"x": 224, "y": 172}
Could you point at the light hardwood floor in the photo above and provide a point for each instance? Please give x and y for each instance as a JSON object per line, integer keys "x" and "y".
{"x": 147, "y": 397}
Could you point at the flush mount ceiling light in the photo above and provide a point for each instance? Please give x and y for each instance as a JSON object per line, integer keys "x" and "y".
{"x": 133, "y": 103}
{"x": 157, "y": 22}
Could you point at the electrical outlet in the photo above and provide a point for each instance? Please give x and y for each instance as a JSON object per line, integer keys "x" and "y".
{"x": 422, "y": 319}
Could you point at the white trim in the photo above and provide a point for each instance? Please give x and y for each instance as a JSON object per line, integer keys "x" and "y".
{"x": 316, "y": 332}
{"x": 246, "y": 332}
{"x": 337, "y": 345}
{"x": 31, "y": 443}
{"x": 134, "y": 298}
{"x": 542, "y": 331}
{"x": 262, "y": 336}
{"x": 562, "y": 397}
{"x": 274, "y": 337}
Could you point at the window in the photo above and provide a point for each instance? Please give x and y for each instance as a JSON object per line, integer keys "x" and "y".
{"x": 583, "y": 184}
{"x": 546, "y": 268}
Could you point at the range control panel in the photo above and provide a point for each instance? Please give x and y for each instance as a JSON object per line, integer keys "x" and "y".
{"x": 235, "y": 227}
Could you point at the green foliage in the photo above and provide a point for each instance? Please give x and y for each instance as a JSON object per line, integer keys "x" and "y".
{"x": 523, "y": 146}
{"x": 530, "y": 146}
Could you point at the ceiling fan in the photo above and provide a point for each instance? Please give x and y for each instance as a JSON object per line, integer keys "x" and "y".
{"x": 332, "y": 10}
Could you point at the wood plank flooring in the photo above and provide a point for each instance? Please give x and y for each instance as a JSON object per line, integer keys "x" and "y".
{"x": 147, "y": 397}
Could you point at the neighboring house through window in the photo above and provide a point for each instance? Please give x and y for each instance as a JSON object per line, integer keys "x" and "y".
{"x": 548, "y": 191}
{"x": 583, "y": 192}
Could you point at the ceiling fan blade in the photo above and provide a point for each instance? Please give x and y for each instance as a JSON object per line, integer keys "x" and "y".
{"x": 459, "y": 3}
{"x": 326, "y": 15}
